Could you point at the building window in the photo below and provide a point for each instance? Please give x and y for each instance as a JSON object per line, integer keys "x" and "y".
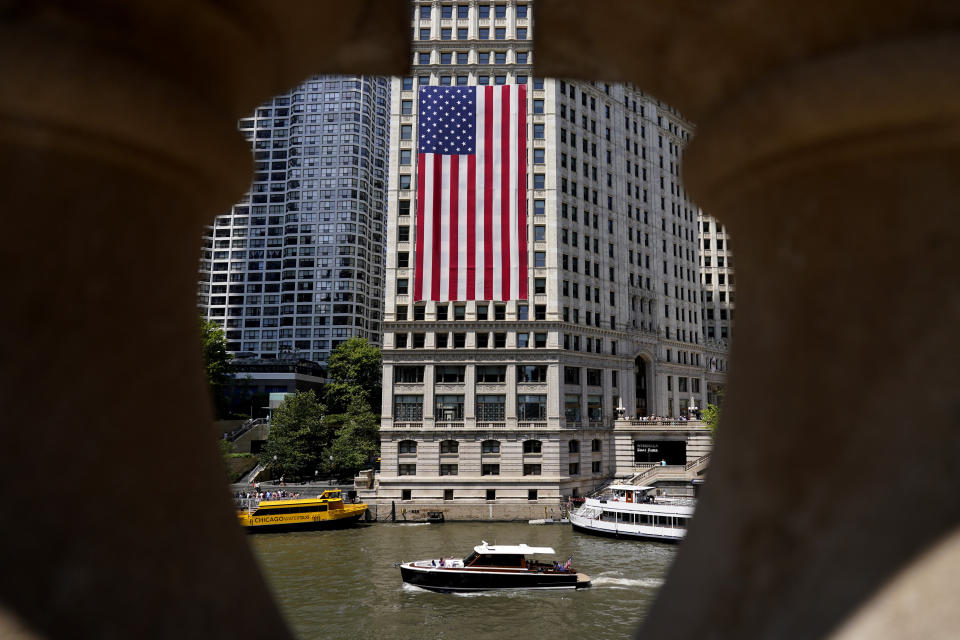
{"x": 491, "y": 373}
{"x": 521, "y": 33}
{"x": 531, "y": 469}
{"x": 500, "y": 33}
{"x": 573, "y": 446}
{"x": 449, "y": 373}
{"x": 448, "y": 494}
{"x": 531, "y": 494}
{"x": 449, "y": 408}
{"x": 594, "y": 377}
{"x": 538, "y": 130}
{"x": 539, "y": 179}
{"x": 539, "y": 258}
{"x": 449, "y": 446}
{"x": 490, "y": 446}
{"x": 405, "y": 494}
{"x": 425, "y": 35}
{"x": 571, "y": 408}
{"x": 489, "y": 470}
{"x": 532, "y": 446}
{"x": 407, "y": 446}
{"x": 408, "y": 408}
{"x": 595, "y": 466}
{"x": 531, "y": 407}
{"x": 574, "y": 468}
{"x": 448, "y": 469}
{"x": 539, "y": 207}
{"x": 571, "y": 375}
{"x": 492, "y": 494}
{"x": 407, "y": 470}
{"x": 531, "y": 373}
{"x": 406, "y": 107}
{"x": 403, "y": 285}
{"x": 404, "y": 181}
{"x": 491, "y": 408}
{"x": 595, "y": 445}
{"x": 407, "y": 374}
{"x": 595, "y": 408}
{"x": 539, "y": 156}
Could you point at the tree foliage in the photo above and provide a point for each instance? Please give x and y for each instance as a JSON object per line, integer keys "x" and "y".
{"x": 298, "y": 435}
{"x": 355, "y": 370}
{"x": 711, "y": 416}
{"x": 340, "y": 437}
{"x": 356, "y": 442}
{"x": 216, "y": 361}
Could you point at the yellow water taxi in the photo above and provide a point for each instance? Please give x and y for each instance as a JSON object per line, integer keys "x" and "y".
{"x": 326, "y": 511}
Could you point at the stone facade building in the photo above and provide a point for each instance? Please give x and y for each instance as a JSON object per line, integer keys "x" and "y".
{"x": 297, "y": 265}
{"x": 515, "y": 401}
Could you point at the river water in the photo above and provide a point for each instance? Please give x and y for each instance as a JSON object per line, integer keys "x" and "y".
{"x": 342, "y": 584}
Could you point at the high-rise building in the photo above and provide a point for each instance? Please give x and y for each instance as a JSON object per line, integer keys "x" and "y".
{"x": 514, "y": 402}
{"x": 717, "y": 281}
{"x": 297, "y": 266}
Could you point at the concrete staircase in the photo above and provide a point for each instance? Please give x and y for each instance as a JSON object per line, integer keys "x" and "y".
{"x": 670, "y": 472}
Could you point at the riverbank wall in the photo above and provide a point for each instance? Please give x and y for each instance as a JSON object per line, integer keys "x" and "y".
{"x": 413, "y": 511}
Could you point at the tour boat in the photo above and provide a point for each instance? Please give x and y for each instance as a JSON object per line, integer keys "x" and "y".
{"x": 301, "y": 514}
{"x": 631, "y": 512}
{"x": 492, "y": 566}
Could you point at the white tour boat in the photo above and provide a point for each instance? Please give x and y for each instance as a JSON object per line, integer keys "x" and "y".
{"x": 630, "y": 511}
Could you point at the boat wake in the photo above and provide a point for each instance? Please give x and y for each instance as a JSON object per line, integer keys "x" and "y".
{"x": 413, "y": 524}
{"x": 409, "y": 588}
{"x": 614, "y": 581}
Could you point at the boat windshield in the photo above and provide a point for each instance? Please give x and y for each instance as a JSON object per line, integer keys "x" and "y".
{"x": 494, "y": 560}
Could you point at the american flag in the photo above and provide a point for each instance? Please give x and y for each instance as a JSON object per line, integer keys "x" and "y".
{"x": 471, "y": 232}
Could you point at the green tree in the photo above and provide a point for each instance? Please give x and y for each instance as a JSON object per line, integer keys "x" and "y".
{"x": 355, "y": 370}
{"x": 356, "y": 442}
{"x": 216, "y": 360}
{"x": 711, "y": 416}
{"x": 298, "y": 435}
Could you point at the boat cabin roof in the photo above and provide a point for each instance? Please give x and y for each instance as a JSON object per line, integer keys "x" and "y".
{"x": 512, "y": 549}
{"x": 630, "y": 487}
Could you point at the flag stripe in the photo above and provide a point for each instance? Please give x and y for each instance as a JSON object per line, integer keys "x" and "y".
{"x": 437, "y": 225}
{"x": 488, "y": 196}
{"x": 521, "y": 226}
{"x": 472, "y": 226}
{"x": 505, "y": 204}
{"x": 421, "y": 226}
{"x": 453, "y": 247}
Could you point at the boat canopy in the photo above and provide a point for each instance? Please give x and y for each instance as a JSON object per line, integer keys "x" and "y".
{"x": 630, "y": 487}
{"x": 512, "y": 549}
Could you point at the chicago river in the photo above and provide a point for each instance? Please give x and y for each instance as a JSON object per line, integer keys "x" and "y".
{"x": 342, "y": 583}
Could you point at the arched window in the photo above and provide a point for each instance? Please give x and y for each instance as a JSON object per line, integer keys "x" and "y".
{"x": 449, "y": 446}
{"x": 531, "y": 446}
{"x": 595, "y": 445}
{"x": 490, "y": 446}
{"x": 574, "y": 446}
{"x": 407, "y": 446}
